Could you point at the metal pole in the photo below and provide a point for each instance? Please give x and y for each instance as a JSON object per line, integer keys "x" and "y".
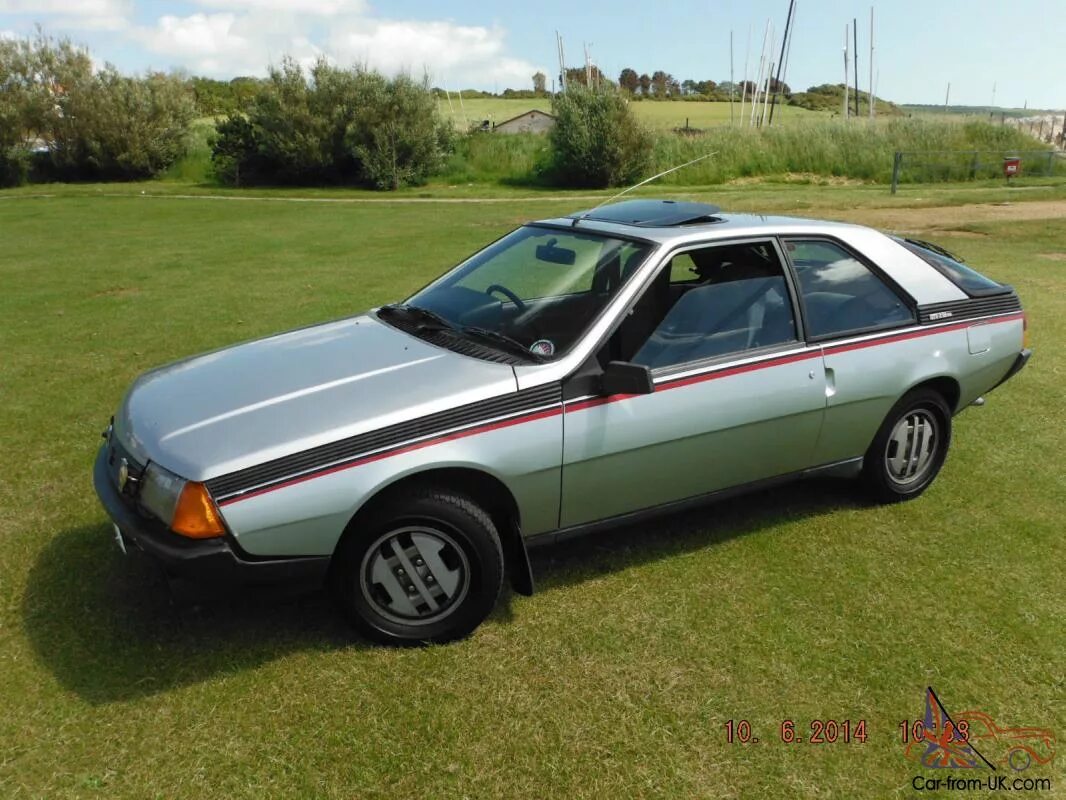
{"x": 732, "y": 85}
{"x": 871, "y": 62}
{"x": 947, "y": 95}
{"x": 855, "y": 31}
{"x": 897, "y": 163}
{"x": 744, "y": 88}
{"x": 781, "y": 61}
{"x": 847, "y": 108}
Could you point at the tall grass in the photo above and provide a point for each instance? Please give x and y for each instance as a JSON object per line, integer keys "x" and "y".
{"x": 514, "y": 159}
{"x": 859, "y": 150}
{"x": 195, "y": 166}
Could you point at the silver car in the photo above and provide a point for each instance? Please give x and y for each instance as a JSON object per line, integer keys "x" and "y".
{"x": 578, "y": 372}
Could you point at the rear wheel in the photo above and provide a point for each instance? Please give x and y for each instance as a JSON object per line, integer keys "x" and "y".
{"x": 425, "y": 567}
{"x": 909, "y": 448}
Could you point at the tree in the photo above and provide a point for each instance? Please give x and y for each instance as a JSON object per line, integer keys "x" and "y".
{"x": 629, "y": 80}
{"x": 576, "y": 76}
{"x": 708, "y": 87}
{"x": 688, "y": 86}
{"x": 92, "y": 124}
{"x": 645, "y": 84}
{"x": 661, "y": 83}
{"x": 596, "y": 141}
{"x": 333, "y": 125}
{"x": 539, "y": 82}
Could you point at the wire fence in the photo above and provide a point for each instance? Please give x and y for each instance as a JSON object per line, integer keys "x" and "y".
{"x": 929, "y": 166}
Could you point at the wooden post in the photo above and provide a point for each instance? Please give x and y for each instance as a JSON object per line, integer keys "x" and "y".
{"x": 897, "y": 163}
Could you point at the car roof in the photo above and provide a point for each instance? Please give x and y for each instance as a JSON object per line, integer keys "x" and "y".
{"x": 674, "y": 224}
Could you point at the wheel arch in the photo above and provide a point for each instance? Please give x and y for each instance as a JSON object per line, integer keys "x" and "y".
{"x": 486, "y": 489}
{"x": 946, "y": 386}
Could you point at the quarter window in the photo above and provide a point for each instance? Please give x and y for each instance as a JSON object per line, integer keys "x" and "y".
{"x": 840, "y": 293}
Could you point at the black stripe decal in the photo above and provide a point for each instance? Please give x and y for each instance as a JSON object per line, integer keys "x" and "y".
{"x": 351, "y": 448}
{"x": 969, "y": 308}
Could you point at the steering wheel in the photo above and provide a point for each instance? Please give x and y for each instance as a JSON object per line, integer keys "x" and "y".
{"x": 522, "y": 307}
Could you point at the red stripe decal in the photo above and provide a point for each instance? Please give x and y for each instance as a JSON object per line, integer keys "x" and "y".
{"x": 448, "y": 437}
{"x": 900, "y": 337}
{"x": 599, "y": 401}
{"x": 581, "y": 405}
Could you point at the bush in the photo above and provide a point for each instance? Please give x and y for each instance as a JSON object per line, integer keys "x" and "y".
{"x": 116, "y": 126}
{"x": 396, "y": 134}
{"x": 14, "y": 166}
{"x": 92, "y": 124}
{"x": 334, "y": 126}
{"x": 596, "y": 141}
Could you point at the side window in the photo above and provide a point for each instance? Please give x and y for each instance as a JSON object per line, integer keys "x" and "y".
{"x": 840, "y": 293}
{"x": 711, "y": 302}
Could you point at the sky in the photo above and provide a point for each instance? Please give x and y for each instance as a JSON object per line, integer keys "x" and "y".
{"x": 920, "y": 45}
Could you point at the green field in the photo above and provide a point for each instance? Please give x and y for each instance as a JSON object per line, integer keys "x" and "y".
{"x": 617, "y": 678}
{"x": 657, "y": 115}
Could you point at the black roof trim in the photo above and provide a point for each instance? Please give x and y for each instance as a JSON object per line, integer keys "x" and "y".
{"x": 652, "y": 213}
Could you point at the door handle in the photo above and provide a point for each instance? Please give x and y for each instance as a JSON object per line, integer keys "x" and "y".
{"x": 830, "y": 382}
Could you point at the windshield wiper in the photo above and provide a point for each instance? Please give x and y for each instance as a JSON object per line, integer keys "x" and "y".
{"x": 502, "y": 341}
{"x": 422, "y": 317}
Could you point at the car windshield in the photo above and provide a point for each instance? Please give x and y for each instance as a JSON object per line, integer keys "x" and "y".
{"x": 533, "y": 293}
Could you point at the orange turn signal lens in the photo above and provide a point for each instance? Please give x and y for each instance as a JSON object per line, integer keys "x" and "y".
{"x": 196, "y": 515}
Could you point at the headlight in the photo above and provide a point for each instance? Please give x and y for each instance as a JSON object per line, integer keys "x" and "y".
{"x": 160, "y": 490}
{"x": 185, "y": 506}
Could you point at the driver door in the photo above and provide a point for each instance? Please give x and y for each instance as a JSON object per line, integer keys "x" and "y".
{"x": 738, "y": 396}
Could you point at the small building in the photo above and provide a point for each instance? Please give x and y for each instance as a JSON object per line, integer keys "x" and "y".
{"x": 533, "y": 121}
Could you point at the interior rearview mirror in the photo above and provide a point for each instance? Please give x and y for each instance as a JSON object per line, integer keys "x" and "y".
{"x": 556, "y": 255}
{"x": 623, "y": 377}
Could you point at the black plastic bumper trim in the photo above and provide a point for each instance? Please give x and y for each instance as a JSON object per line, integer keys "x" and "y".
{"x": 1016, "y": 367}
{"x": 208, "y": 560}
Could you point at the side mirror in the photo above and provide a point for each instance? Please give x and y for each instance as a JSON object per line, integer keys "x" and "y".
{"x": 622, "y": 377}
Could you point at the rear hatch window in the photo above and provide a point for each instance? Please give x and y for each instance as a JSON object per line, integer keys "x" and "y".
{"x": 952, "y": 267}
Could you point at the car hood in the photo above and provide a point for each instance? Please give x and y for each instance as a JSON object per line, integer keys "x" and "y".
{"x": 233, "y": 408}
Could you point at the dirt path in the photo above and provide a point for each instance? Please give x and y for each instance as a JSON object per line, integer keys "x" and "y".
{"x": 948, "y": 218}
{"x": 930, "y": 218}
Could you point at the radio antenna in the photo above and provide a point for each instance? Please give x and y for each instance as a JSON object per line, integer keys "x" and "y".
{"x": 652, "y": 178}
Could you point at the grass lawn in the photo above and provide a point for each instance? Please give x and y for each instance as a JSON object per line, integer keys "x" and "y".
{"x": 618, "y": 677}
{"x": 657, "y": 115}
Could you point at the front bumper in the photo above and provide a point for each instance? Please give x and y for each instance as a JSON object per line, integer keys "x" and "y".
{"x": 212, "y": 560}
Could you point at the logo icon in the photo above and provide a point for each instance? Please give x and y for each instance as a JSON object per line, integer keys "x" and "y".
{"x": 973, "y": 740}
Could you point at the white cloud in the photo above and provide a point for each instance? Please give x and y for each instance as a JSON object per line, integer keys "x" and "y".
{"x": 203, "y": 42}
{"x": 252, "y": 34}
{"x": 317, "y": 7}
{"x": 9, "y": 36}
{"x": 68, "y": 8}
{"x": 454, "y": 54}
{"x": 99, "y": 15}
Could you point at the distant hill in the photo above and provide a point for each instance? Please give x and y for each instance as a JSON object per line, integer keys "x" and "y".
{"x": 830, "y": 97}
{"x": 983, "y": 111}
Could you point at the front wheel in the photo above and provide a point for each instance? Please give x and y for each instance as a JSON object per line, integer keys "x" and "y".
{"x": 425, "y": 567}
{"x": 909, "y": 448}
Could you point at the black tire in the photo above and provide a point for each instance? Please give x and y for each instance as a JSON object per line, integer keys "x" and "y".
{"x": 891, "y": 457}
{"x": 372, "y": 562}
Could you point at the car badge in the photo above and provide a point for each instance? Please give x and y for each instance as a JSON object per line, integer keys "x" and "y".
{"x": 123, "y": 474}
